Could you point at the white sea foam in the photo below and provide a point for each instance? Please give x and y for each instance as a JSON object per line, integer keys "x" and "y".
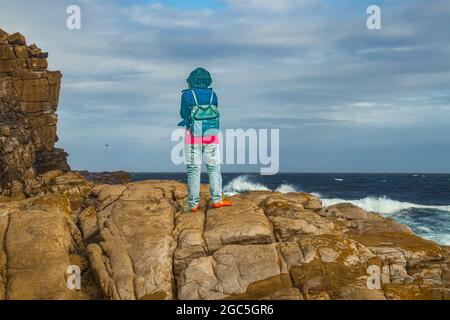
{"x": 383, "y": 205}
{"x": 424, "y": 229}
{"x": 439, "y": 238}
{"x": 338, "y": 179}
{"x": 243, "y": 184}
{"x": 286, "y": 188}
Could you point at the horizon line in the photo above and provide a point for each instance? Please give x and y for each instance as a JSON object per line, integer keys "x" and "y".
{"x": 282, "y": 172}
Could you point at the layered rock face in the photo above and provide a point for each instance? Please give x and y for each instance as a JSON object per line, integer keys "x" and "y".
{"x": 28, "y": 100}
{"x": 135, "y": 241}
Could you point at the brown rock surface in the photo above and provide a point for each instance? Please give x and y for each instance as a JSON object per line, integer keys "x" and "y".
{"x": 134, "y": 257}
{"x": 235, "y": 271}
{"x": 137, "y": 242}
{"x": 246, "y": 224}
{"x": 36, "y": 243}
{"x": 221, "y": 254}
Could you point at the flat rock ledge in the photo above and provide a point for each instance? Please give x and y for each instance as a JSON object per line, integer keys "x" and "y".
{"x": 135, "y": 241}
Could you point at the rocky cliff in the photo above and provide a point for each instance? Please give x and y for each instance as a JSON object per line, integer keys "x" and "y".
{"x": 28, "y": 100}
{"x": 134, "y": 240}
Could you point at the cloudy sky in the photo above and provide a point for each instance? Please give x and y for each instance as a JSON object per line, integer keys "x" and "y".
{"x": 345, "y": 98}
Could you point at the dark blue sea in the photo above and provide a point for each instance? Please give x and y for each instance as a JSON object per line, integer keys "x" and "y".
{"x": 421, "y": 201}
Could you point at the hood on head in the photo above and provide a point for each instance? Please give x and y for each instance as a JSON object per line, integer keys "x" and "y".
{"x": 199, "y": 78}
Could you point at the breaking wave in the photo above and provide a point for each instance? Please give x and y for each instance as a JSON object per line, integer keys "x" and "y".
{"x": 431, "y": 222}
{"x": 242, "y": 184}
{"x": 384, "y": 205}
{"x": 286, "y": 188}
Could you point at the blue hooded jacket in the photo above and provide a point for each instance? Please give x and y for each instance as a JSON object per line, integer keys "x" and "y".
{"x": 199, "y": 81}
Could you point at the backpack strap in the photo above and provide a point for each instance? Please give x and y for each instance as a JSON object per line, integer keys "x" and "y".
{"x": 212, "y": 97}
{"x": 195, "y": 97}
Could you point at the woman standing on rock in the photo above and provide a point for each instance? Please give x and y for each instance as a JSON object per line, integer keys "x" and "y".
{"x": 199, "y": 110}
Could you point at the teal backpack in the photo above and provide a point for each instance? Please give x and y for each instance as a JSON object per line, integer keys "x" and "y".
{"x": 204, "y": 118}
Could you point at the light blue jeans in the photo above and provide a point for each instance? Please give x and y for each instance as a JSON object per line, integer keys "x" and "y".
{"x": 194, "y": 154}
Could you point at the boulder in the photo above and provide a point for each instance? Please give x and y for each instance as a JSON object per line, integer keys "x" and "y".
{"x": 37, "y": 242}
{"x": 291, "y": 220}
{"x": 327, "y": 266}
{"x": 347, "y": 211}
{"x": 235, "y": 271}
{"x": 134, "y": 258}
{"x": 190, "y": 242}
{"x": 3, "y": 36}
{"x": 17, "y": 38}
{"x": 243, "y": 223}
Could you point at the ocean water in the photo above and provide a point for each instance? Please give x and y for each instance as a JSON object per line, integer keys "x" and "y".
{"x": 421, "y": 201}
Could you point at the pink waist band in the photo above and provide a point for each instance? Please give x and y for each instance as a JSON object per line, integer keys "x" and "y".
{"x": 190, "y": 139}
